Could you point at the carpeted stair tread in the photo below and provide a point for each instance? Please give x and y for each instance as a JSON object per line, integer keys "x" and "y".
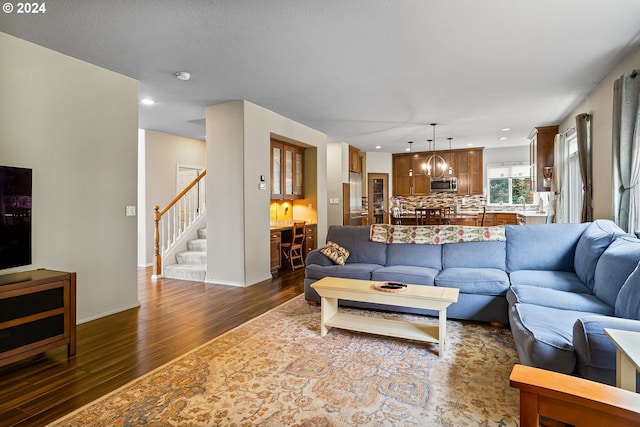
{"x": 185, "y": 271}
{"x": 192, "y": 263}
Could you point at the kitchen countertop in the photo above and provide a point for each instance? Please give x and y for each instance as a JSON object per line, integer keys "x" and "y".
{"x": 280, "y": 226}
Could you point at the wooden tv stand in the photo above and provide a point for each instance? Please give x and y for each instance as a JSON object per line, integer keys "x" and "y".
{"x": 37, "y": 313}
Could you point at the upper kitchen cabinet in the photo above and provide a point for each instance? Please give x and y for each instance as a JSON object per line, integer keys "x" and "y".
{"x": 466, "y": 165}
{"x": 468, "y": 169}
{"x": 355, "y": 161}
{"x": 277, "y": 154}
{"x": 541, "y": 152}
{"x": 402, "y": 181}
{"x": 287, "y": 171}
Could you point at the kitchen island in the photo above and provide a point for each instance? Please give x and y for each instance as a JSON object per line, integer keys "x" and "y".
{"x": 472, "y": 217}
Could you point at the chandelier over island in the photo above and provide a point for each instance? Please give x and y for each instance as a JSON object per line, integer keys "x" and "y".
{"x": 435, "y": 166}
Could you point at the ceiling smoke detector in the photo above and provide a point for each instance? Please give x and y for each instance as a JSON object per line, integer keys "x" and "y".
{"x": 183, "y": 75}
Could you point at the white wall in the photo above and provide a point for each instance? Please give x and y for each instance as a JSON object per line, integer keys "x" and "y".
{"x": 379, "y": 163}
{"x": 75, "y": 125}
{"x": 163, "y": 153}
{"x": 600, "y": 104}
{"x": 337, "y": 174}
{"x": 238, "y": 153}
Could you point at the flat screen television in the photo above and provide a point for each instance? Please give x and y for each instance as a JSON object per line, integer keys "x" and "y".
{"x": 15, "y": 217}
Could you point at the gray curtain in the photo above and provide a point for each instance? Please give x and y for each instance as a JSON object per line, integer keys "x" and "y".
{"x": 560, "y": 178}
{"x": 626, "y": 152}
{"x": 583, "y": 135}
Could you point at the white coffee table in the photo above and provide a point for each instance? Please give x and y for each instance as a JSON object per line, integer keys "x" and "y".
{"x": 627, "y": 357}
{"x": 332, "y": 289}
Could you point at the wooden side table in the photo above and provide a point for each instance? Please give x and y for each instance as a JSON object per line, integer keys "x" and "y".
{"x": 627, "y": 357}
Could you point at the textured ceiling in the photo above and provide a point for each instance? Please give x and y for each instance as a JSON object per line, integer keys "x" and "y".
{"x": 367, "y": 72}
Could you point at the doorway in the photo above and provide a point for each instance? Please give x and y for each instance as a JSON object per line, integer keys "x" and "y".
{"x": 378, "y": 192}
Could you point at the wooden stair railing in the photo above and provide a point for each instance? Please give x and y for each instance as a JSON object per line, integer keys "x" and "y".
{"x": 175, "y": 218}
{"x": 576, "y": 401}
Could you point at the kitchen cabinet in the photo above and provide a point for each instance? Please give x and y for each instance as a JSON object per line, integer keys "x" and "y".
{"x": 276, "y": 244}
{"x": 466, "y": 165}
{"x": 309, "y": 238}
{"x": 541, "y": 154}
{"x": 277, "y": 150}
{"x": 402, "y": 182}
{"x": 287, "y": 171}
{"x": 469, "y": 171}
{"x": 409, "y": 185}
{"x": 37, "y": 313}
{"x": 355, "y": 161}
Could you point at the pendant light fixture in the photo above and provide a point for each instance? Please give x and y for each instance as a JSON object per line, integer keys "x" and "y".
{"x": 450, "y": 157}
{"x": 410, "y": 161}
{"x": 435, "y": 166}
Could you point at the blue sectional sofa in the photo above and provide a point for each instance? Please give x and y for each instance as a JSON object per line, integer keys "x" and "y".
{"x": 557, "y": 285}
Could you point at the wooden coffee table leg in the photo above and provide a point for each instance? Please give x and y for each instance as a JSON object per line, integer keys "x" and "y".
{"x": 328, "y": 309}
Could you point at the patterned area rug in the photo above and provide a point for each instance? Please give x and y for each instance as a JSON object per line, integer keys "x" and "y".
{"x": 276, "y": 370}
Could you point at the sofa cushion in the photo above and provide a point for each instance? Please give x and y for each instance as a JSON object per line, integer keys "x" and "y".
{"x": 490, "y": 254}
{"x": 614, "y": 267}
{"x": 335, "y": 253}
{"x": 355, "y": 239}
{"x": 628, "y": 300}
{"x": 405, "y": 274}
{"x": 560, "y": 280}
{"x": 483, "y": 281}
{"x": 558, "y": 299}
{"x": 348, "y": 271}
{"x": 415, "y": 255}
{"x": 543, "y": 336}
{"x": 593, "y": 242}
{"x": 542, "y": 246}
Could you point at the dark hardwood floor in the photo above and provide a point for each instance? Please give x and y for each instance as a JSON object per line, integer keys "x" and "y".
{"x": 174, "y": 317}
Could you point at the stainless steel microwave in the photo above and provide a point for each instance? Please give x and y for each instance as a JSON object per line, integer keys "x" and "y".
{"x": 448, "y": 183}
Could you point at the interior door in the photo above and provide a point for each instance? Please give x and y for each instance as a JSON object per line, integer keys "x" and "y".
{"x": 378, "y": 187}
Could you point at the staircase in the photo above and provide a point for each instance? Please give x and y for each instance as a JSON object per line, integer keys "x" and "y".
{"x": 192, "y": 263}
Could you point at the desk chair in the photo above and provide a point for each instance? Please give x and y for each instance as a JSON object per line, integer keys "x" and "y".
{"x": 293, "y": 251}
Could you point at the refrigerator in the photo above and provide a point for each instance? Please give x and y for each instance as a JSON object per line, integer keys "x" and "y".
{"x": 355, "y": 198}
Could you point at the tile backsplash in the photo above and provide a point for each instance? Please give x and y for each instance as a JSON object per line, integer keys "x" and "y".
{"x": 409, "y": 203}
{"x": 467, "y": 203}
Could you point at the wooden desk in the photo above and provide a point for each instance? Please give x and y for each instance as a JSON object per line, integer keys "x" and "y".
{"x": 282, "y": 233}
{"x": 627, "y": 357}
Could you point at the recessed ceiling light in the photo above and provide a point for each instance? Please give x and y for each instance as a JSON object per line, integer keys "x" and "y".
{"x": 147, "y": 101}
{"x": 378, "y": 147}
{"x": 469, "y": 145}
{"x": 183, "y": 75}
{"x": 503, "y": 138}
{"x": 506, "y": 129}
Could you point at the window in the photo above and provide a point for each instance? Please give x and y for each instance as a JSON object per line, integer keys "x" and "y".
{"x": 509, "y": 184}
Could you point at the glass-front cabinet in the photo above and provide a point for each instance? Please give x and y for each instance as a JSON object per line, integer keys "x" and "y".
{"x": 276, "y": 170}
{"x": 287, "y": 171}
{"x": 378, "y": 198}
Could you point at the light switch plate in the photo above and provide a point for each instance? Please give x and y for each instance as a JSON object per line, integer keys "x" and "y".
{"x": 130, "y": 211}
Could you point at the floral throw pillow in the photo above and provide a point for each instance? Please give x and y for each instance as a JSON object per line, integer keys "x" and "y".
{"x": 335, "y": 253}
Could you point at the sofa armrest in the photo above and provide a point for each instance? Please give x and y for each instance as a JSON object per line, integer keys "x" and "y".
{"x": 318, "y": 258}
{"x": 594, "y": 349}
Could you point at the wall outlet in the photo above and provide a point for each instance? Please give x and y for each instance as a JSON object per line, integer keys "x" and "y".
{"x": 130, "y": 211}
